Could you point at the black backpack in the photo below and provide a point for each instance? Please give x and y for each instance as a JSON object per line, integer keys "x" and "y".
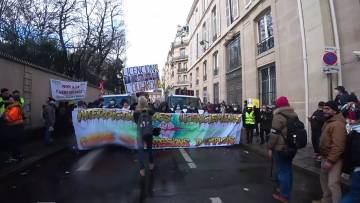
{"x": 296, "y": 137}
{"x": 145, "y": 124}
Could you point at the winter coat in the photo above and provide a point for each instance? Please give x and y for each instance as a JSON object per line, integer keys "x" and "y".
{"x": 279, "y": 128}
{"x": 317, "y": 121}
{"x": 342, "y": 99}
{"x": 266, "y": 120}
{"x": 352, "y": 150}
{"x": 333, "y": 138}
{"x": 49, "y": 115}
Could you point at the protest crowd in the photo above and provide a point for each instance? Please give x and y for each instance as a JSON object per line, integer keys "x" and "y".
{"x": 335, "y": 133}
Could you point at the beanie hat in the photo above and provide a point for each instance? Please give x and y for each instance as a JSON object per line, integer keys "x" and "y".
{"x": 282, "y": 102}
{"x": 333, "y": 105}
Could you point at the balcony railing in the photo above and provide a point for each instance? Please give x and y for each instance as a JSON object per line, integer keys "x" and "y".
{"x": 182, "y": 70}
{"x": 216, "y": 71}
{"x": 265, "y": 45}
{"x": 182, "y": 82}
{"x": 179, "y": 58}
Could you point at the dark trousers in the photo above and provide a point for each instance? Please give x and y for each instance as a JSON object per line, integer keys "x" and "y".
{"x": 14, "y": 136}
{"x": 315, "y": 139}
{"x": 249, "y": 134}
{"x": 141, "y": 151}
{"x": 264, "y": 133}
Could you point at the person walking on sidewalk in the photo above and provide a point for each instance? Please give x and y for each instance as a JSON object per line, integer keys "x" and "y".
{"x": 332, "y": 146}
{"x": 143, "y": 118}
{"x": 49, "y": 118}
{"x": 317, "y": 121}
{"x": 14, "y": 128}
{"x": 352, "y": 158}
{"x": 249, "y": 123}
{"x": 266, "y": 117}
{"x": 279, "y": 149}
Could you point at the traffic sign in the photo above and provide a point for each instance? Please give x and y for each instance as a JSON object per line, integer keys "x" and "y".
{"x": 330, "y": 60}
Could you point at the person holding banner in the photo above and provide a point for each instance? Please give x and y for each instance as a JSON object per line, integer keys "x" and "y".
{"x": 143, "y": 118}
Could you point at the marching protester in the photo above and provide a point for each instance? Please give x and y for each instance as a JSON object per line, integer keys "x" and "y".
{"x": 342, "y": 96}
{"x": 317, "y": 121}
{"x": 143, "y": 118}
{"x": 49, "y": 119}
{"x": 332, "y": 146}
{"x": 18, "y": 98}
{"x": 14, "y": 128}
{"x": 265, "y": 123}
{"x": 352, "y": 158}
{"x": 3, "y": 100}
{"x": 249, "y": 123}
{"x": 279, "y": 149}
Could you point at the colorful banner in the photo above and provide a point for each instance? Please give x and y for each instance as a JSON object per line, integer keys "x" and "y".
{"x": 97, "y": 127}
{"x": 67, "y": 91}
{"x": 141, "y": 78}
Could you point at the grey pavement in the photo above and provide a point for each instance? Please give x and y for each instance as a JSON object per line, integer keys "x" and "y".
{"x": 220, "y": 174}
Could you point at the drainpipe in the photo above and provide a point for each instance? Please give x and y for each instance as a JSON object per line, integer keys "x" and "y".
{"x": 305, "y": 62}
{"x": 336, "y": 36}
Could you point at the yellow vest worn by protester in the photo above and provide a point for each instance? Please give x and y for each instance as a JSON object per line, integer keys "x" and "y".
{"x": 250, "y": 118}
{"x": 2, "y": 106}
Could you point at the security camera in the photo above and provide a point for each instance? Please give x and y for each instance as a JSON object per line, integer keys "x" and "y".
{"x": 356, "y": 53}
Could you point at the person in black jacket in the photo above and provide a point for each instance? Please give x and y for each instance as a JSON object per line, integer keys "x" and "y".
{"x": 352, "y": 159}
{"x": 342, "y": 96}
{"x": 317, "y": 121}
{"x": 143, "y": 107}
{"x": 266, "y": 117}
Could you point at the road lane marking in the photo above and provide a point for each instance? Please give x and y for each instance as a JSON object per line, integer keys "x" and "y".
{"x": 215, "y": 200}
{"x": 187, "y": 158}
{"x": 87, "y": 162}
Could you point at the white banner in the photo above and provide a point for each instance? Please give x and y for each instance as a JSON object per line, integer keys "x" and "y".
{"x": 141, "y": 78}
{"x": 65, "y": 91}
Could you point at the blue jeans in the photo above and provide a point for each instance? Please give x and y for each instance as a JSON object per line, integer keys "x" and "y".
{"x": 141, "y": 156}
{"x": 354, "y": 195}
{"x": 47, "y": 136}
{"x": 284, "y": 173}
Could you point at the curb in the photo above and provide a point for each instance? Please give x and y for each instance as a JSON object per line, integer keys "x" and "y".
{"x": 28, "y": 162}
{"x": 297, "y": 167}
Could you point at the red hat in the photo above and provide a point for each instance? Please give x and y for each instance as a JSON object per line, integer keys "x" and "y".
{"x": 282, "y": 102}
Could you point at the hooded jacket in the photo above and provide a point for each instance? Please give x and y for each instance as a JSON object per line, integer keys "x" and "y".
{"x": 352, "y": 151}
{"x": 279, "y": 128}
{"x": 333, "y": 138}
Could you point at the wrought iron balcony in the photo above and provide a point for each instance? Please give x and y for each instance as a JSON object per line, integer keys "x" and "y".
{"x": 265, "y": 45}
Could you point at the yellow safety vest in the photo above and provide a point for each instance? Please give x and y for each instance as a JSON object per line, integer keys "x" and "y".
{"x": 249, "y": 118}
{"x": 2, "y": 106}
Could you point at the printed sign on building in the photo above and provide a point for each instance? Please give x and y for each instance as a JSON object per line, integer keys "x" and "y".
{"x": 141, "y": 78}
{"x": 330, "y": 60}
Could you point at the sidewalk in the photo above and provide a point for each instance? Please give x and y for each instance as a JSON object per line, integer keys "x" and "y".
{"x": 303, "y": 160}
{"x": 34, "y": 151}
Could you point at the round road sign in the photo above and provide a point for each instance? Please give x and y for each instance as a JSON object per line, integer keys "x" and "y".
{"x": 330, "y": 58}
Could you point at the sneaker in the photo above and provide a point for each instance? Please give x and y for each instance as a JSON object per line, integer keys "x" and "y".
{"x": 142, "y": 172}
{"x": 280, "y": 198}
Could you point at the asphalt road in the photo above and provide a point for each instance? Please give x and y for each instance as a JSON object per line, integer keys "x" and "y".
{"x": 193, "y": 175}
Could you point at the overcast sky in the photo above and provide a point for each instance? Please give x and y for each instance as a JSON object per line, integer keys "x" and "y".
{"x": 151, "y": 27}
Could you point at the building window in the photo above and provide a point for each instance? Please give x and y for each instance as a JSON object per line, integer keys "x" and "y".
{"x": 197, "y": 45}
{"x": 172, "y": 74}
{"x": 179, "y": 78}
{"x": 233, "y": 74}
{"x": 267, "y": 86}
{"x": 204, "y": 36}
{"x": 182, "y": 52}
{"x": 214, "y": 24}
{"x": 197, "y": 76}
{"x": 216, "y": 93}
{"x": 233, "y": 54}
{"x": 190, "y": 80}
{"x": 215, "y": 63}
{"x": 265, "y": 32}
{"x": 197, "y": 93}
{"x": 205, "y": 94}
{"x": 179, "y": 67}
{"x": 232, "y": 11}
{"x": 205, "y": 70}
{"x": 185, "y": 66}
